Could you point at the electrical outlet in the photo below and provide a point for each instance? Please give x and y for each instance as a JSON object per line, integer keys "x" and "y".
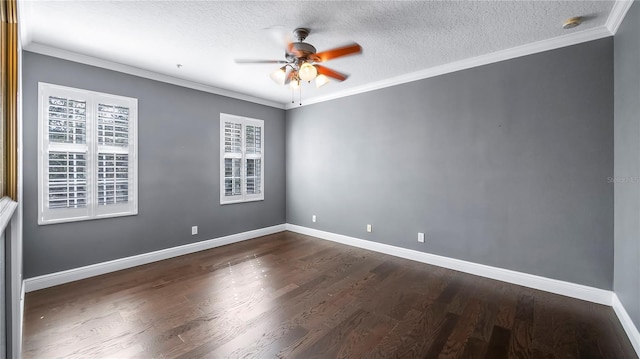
{"x": 420, "y": 237}
{"x": 194, "y": 230}
{"x": 313, "y": 218}
{"x": 369, "y": 228}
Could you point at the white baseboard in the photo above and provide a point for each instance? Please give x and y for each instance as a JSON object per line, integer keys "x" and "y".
{"x": 627, "y": 323}
{"x": 19, "y": 323}
{"x": 53, "y": 279}
{"x": 568, "y": 289}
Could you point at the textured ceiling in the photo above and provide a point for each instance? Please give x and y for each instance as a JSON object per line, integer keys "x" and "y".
{"x": 398, "y": 37}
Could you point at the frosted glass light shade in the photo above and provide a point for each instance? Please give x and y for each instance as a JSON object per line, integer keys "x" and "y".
{"x": 278, "y": 76}
{"x": 321, "y": 80}
{"x": 307, "y": 72}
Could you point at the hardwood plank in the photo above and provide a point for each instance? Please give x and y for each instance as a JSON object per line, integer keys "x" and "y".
{"x": 457, "y": 341}
{"x": 329, "y": 345}
{"x": 521, "y": 335}
{"x": 475, "y": 349}
{"x": 440, "y": 339}
{"x": 499, "y": 343}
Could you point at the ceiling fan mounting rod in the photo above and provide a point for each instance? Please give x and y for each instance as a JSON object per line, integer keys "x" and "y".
{"x": 301, "y": 33}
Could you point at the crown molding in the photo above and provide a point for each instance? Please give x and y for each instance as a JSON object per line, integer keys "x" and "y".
{"x": 22, "y": 21}
{"x": 502, "y": 55}
{"x": 115, "y": 66}
{"x": 617, "y": 14}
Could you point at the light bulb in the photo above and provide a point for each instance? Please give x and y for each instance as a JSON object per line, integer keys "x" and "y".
{"x": 294, "y": 84}
{"x": 278, "y": 76}
{"x": 307, "y": 72}
{"x": 321, "y": 80}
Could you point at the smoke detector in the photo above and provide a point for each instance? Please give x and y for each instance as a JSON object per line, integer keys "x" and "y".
{"x": 572, "y": 22}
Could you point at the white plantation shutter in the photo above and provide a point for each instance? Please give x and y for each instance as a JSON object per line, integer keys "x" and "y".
{"x": 253, "y": 175}
{"x": 113, "y": 125}
{"x": 65, "y": 155}
{"x": 115, "y": 176}
{"x": 232, "y": 159}
{"x": 67, "y": 165}
{"x": 233, "y": 177}
{"x": 232, "y": 137}
{"x": 67, "y": 182}
{"x": 253, "y": 139}
{"x": 87, "y": 155}
{"x": 241, "y": 164}
{"x": 253, "y": 159}
{"x": 67, "y": 119}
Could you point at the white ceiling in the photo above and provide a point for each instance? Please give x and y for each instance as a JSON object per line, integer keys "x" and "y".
{"x": 400, "y": 38}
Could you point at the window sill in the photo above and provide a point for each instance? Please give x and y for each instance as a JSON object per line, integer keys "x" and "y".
{"x": 242, "y": 201}
{"x": 42, "y": 222}
{"x": 7, "y": 208}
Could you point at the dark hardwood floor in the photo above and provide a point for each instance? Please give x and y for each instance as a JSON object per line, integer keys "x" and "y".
{"x": 293, "y": 296}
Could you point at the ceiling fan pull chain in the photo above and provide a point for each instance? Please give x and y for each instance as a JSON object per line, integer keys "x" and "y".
{"x": 300, "y": 89}
{"x": 292, "y": 94}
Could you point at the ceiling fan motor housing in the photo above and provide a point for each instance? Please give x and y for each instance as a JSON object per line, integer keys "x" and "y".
{"x": 301, "y": 50}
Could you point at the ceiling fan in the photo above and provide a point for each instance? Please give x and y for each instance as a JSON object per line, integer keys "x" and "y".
{"x": 301, "y": 62}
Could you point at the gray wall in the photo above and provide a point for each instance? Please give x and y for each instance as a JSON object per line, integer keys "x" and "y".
{"x": 504, "y": 164}
{"x": 178, "y": 171}
{"x": 627, "y": 163}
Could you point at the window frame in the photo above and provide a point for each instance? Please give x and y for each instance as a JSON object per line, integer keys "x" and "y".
{"x": 92, "y": 148}
{"x": 244, "y": 196}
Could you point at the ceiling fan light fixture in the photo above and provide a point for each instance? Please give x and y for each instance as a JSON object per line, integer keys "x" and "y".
{"x": 307, "y": 72}
{"x": 321, "y": 80}
{"x": 294, "y": 84}
{"x": 279, "y": 75}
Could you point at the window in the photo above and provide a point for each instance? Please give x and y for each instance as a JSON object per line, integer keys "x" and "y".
{"x": 87, "y": 155}
{"x": 241, "y": 159}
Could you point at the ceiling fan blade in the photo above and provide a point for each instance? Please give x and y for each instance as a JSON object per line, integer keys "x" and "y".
{"x": 339, "y": 52}
{"x": 252, "y": 61}
{"x": 331, "y": 73}
{"x": 278, "y": 34}
{"x": 282, "y": 38}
